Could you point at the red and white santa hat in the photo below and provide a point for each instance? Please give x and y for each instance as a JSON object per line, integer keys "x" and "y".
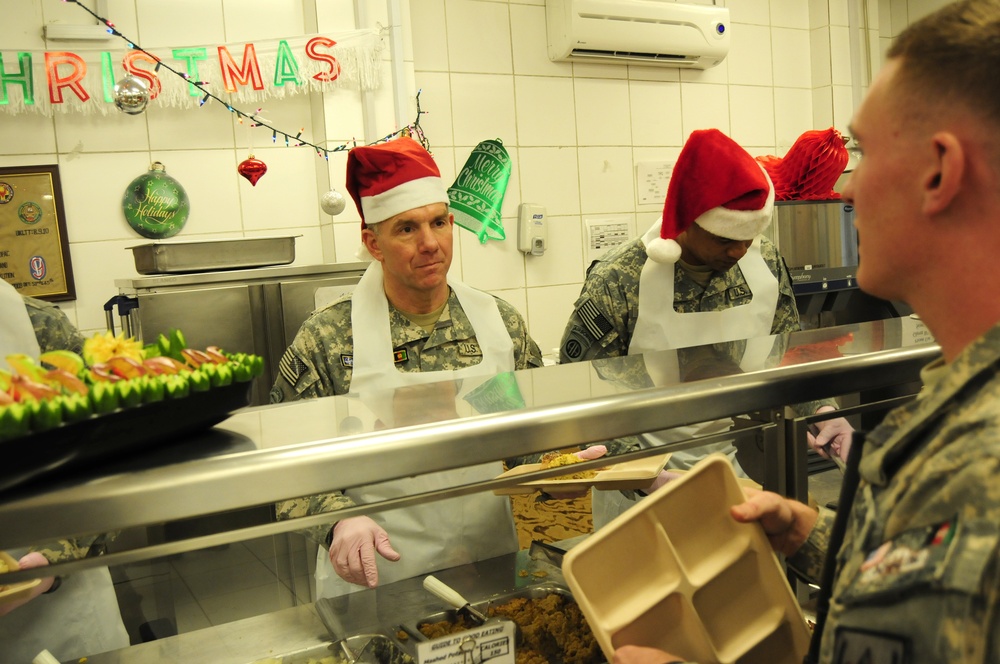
{"x": 392, "y": 177}
{"x": 717, "y": 185}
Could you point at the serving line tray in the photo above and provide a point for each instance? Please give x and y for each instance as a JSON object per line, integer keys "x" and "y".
{"x": 636, "y": 474}
{"x": 211, "y": 255}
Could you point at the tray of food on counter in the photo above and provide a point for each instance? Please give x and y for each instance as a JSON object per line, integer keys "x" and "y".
{"x": 636, "y": 474}
{"x": 697, "y": 584}
{"x": 552, "y": 627}
{"x": 62, "y": 409}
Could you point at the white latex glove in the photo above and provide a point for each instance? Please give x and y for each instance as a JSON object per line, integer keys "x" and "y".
{"x": 589, "y": 454}
{"x": 661, "y": 479}
{"x": 834, "y": 436}
{"x": 352, "y": 552}
{"x": 33, "y": 559}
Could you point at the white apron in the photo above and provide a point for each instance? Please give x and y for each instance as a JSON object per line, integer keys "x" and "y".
{"x": 82, "y": 616}
{"x": 16, "y": 332}
{"x": 658, "y": 327}
{"x": 442, "y": 533}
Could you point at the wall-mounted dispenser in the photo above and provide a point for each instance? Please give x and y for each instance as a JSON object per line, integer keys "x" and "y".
{"x": 532, "y": 231}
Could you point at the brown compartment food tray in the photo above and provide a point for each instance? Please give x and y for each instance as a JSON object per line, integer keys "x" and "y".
{"x": 678, "y": 573}
{"x": 636, "y": 474}
{"x": 213, "y": 255}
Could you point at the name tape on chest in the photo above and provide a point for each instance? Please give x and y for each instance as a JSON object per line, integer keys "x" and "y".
{"x": 738, "y": 292}
{"x": 469, "y": 348}
{"x": 398, "y": 357}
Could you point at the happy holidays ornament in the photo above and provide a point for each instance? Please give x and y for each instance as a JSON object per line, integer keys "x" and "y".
{"x": 155, "y": 204}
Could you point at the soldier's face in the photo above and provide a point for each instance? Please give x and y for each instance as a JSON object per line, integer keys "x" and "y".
{"x": 699, "y": 247}
{"x": 887, "y": 190}
{"x": 414, "y": 247}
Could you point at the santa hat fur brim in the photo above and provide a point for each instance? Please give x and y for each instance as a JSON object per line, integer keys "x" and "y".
{"x": 722, "y": 222}
{"x": 739, "y": 224}
{"x": 408, "y": 196}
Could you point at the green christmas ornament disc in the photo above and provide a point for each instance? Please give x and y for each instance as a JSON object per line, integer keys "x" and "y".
{"x": 155, "y": 204}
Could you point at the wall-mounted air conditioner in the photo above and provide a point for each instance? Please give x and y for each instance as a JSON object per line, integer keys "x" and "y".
{"x": 637, "y": 32}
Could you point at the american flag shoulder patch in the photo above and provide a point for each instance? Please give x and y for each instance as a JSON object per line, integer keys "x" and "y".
{"x": 291, "y": 367}
{"x": 596, "y": 322}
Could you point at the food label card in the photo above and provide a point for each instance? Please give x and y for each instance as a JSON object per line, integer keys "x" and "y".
{"x": 492, "y": 642}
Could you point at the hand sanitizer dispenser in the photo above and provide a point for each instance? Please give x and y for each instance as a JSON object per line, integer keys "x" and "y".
{"x": 532, "y": 232}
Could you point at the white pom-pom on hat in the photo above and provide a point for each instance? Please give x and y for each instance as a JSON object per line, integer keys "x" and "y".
{"x": 717, "y": 185}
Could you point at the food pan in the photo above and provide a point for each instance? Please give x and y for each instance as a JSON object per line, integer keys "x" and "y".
{"x": 678, "y": 573}
{"x": 213, "y": 255}
{"x": 545, "y": 635}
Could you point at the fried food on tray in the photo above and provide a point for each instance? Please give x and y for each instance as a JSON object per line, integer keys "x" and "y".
{"x": 553, "y": 629}
{"x": 556, "y": 459}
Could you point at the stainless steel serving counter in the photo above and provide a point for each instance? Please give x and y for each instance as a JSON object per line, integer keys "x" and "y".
{"x": 266, "y": 454}
{"x": 296, "y": 634}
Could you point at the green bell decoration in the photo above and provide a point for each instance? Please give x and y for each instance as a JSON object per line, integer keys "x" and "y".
{"x": 155, "y": 204}
{"x": 478, "y": 191}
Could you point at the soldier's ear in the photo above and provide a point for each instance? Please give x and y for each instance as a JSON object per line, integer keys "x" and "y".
{"x": 370, "y": 239}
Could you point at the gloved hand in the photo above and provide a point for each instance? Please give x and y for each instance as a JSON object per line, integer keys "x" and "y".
{"x": 589, "y": 454}
{"x": 33, "y": 559}
{"x": 352, "y": 552}
{"x": 661, "y": 479}
{"x": 834, "y": 436}
{"x": 592, "y": 452}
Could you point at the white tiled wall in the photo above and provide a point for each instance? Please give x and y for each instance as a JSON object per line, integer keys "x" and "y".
{"x": 575, "y": 132}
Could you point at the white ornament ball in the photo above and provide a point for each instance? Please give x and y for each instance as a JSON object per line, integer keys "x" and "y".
{"x": 332, "y": 202}
{"x": 131, "y": 95}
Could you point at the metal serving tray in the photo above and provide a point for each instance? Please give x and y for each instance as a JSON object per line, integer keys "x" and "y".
{"x": 213, "y": 255}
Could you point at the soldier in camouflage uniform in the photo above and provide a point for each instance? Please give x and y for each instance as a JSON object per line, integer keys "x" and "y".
{"x": 52, "y": 328}
{"x": 320, "y": 359}
{"x": 604, "y": 315}
{"x": 703, "y": 274}
{"x": 917, "y": 575}
{"x": 418, "y": 326}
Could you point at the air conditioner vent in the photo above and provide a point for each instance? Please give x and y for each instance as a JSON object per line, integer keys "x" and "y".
{"x": 643, "y": 32}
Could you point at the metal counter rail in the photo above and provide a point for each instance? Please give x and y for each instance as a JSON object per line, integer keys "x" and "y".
{"x": 261, "y": 476}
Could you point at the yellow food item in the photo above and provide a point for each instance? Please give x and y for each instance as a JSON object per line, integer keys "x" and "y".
{"x": 557, "y": 459}
{"x": 104, "y": 345}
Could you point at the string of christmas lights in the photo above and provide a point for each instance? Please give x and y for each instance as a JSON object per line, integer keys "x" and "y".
{"x": 414, "y": 130}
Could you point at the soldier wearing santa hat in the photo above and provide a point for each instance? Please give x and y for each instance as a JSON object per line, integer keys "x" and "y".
{"x": 702, "y": 274}
{"x": 406, "y": 323}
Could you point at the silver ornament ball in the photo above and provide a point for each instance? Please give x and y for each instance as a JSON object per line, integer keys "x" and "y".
{"x": 332, "y": 202}
{"x": 131, "y": 95}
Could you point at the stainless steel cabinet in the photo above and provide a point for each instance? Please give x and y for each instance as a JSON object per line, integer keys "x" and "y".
{"x": 251, "y": 311}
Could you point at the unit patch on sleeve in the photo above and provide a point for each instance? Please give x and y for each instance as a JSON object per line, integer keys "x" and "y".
{"x": 596, "y": 323}
{"x": 347, "y": 360}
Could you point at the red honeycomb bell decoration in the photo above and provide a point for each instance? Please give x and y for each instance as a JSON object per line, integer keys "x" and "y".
{"x": 252, "y": 169}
